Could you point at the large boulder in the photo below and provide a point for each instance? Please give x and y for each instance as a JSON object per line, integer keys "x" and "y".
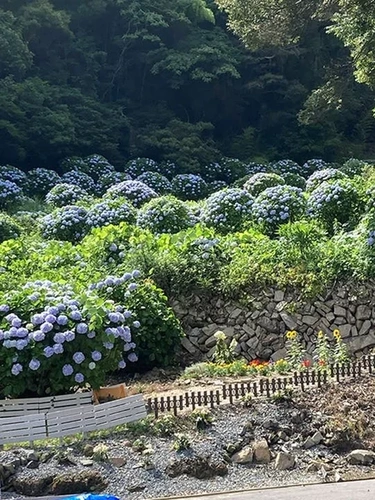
{"x": 197, "y": 466}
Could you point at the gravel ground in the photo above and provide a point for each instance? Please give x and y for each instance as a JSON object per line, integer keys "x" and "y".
{"x": 298, "y": 420}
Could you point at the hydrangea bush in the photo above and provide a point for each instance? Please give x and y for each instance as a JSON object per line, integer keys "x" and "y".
{"x": 216, "y": 172}
{"x": 336, "y": 201}
{"x": 108, "y": 212}
{"x": 73, "y": 163}
{"x": 295, "y": 180}
{"x": 232, "y": 169}
{"x": 228, "y": 209}
{"x": 9, "y": 193}
{"x": 259, "y": 182}
{"x": 40, "y": 181}
{"x": 156, "y": 181}
{"x": 53, "y": 340}
{"x": 320, "y": 176}
{"x": 256, "y": 168}
{"x": 106, "y": 181}
{"x": 13, "y": 174}
{"x": 283, "y": 167}
{"x": 166, "y": 214}
{"x": 189, "y": 187}
{"x": 66, "y": 223}
{"x": 81, "y": 179}
{"x": 136, "y": 192}
{"x": 9, "y": 228}
{"x": 139, "y": 166}
{"x": 214, "y": 186}
{"x": 312, "y": 166}
{"x": 353, "y": 167}
{"x": 66, "y": 194}
{"x": 278, "y": 205}
{"x": 97, "y": 166}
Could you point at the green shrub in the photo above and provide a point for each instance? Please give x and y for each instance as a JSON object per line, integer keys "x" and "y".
{"x": 66, "y": 194}
{"x": 353, "y": 167}
{"x": 189, "y": 187}
{"x": 320, "y": 176}
{"x": 67, "y": 224}
{"x": 259, "y": 182}
{"x": 157, "y": 332}
{"x": 166, "y": 214}
{"x": 227, "y": 210}
{"x": 9, "y": 228}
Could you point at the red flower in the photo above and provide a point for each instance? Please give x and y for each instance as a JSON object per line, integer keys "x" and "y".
{"x": 306, "y": 363}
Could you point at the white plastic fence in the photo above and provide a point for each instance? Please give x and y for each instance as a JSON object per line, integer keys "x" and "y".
{"x": 79, "y": 419}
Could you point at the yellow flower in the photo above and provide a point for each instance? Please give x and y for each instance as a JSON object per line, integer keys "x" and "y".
{"x": 337, "y": 334}
{"x": 320, "y": 334}
{"x": 291, "y": 335}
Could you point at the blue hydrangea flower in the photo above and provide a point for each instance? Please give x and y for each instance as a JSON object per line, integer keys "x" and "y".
{"x": 79, "y": 378}
{"x": 67, "y": 370}
{"x": 16, "y": 369}
{"x": 96, "y": 355}
{"x": 34, "y": 364}
{"x": 78, "y": 357}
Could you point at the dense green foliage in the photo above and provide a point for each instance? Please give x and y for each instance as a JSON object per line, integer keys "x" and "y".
{"x": 166, "y": 80}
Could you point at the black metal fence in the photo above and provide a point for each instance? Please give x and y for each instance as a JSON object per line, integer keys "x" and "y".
{"x": 260, "y": 387}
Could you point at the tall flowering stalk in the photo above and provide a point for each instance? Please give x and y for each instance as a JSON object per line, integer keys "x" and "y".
{"x": 294, "y": 348}
{"x": 340, "y": 350}
{"x": 324, "y": 353}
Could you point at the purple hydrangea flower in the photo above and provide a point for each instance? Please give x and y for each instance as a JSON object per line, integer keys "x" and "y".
{"x": 38, "y": 336}
{"x": 121, "y": 365}
{"x": 136, "y": 324}
{"x": 10, "y": 317}
{"x": 132, "y": 357}
{"x": 127, "y": 276}
{"x": 53, "y": 310}
{"x": 34, "y": 364}
{"x": 37, "y": 319}
{"x": 136, "y": 273}
{"x": 91, "y": 335}
{"x": 79, "y": 378}
{"x": 46, "y": 327}
{"x": 4, "y": 308}
{"x": 114, "y": 317}
{"x": 16, "y": 322}
{"x": 22, "y": 333}
{"x": 132, "y": 287}
{"x": 96, "y": 355}
{"x": 108, "y": 345}
{"x": 59, "y": 338}
{"x": 67, "y": 370}
{"x": 50, "y": 318}
{"x": 70, "y": 336}
{"x": 82, "y": 328}
{"x": 17, "y": 369}
{"x": 58, "y": 348}
{"x": 127, "y": 314}
{"x": 75, "y": 315}
{"x": 21, "y": 344}
{"x": 78, "y": 357}
{"x": 127, "y": 347}
{"x": 62, "y": 320}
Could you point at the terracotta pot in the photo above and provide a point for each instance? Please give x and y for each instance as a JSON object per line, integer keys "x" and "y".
{"x": 110, "y": 393}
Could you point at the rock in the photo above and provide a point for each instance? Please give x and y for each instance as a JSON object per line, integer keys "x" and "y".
{"x": 316, "y": 465}
{"x": 86, "y": 462}
{"x": 88, "y": 450}
{"x": 338, "y": 477}
{"x": 81, "y": 482}
{"x": 33, "y": 464}
{"x": 363, "y": 312}
{"x": 117, "y": 461}
{"x": 197, "y": 466}
{"x": 339, "y": 311}
{"x": 361, "y": 457}
{"x": 279, "y": 296}
{"x": 280, "y": 354}
{"x": 33, "y": 485}
{"x": 356, "y": 344}
{"x": 365, "y": 327}
{"x": 234, "y": 314}
{"x": 244, "y": 456}
{"x": 32, "y": 456}
{"x": 262, "y": 454}
{"x": 268, "y": 324}
{"x": 284, "y": 461}
{"x": 309, "y": 320}
{"x": 186, "y": 344}
{"x": 132, "y": 488}
{"x": 313, "y": 440}
{"x": 345, "y": 330}
{"x": 289, "y": 321}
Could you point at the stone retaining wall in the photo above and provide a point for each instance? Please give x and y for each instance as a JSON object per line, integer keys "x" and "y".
{"x": 260, "y": 324}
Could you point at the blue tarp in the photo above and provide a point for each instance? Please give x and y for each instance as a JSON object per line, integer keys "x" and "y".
{"x": 92, "y": 497}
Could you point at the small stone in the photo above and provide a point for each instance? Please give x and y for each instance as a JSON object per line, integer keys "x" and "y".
{"x": 132, "y": 488}
{"x": 309, "y": 443}
{"x": 365, "y": 327}
{"x": 127, "y": 444}
{"x": 88, "y": 450}
{"x": 363, "y": 312}
{"x": 186, "y": 344}
{"x": 32, "y": 456}
{"x": 285, "y": 461}
{"x": 361, "y": 457}
{"x": 309, "y": 320}
{"x": 339, "y": 311}
{"x": 262, "y": 454}
{"x": 279, "y": 296}
{"x": 117, "y": 461}
{"x": 86, "y": 462}
{"x": 33, "y": 464}
{"x": 244, "y": 456}
{"x": 338, "y": 477}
